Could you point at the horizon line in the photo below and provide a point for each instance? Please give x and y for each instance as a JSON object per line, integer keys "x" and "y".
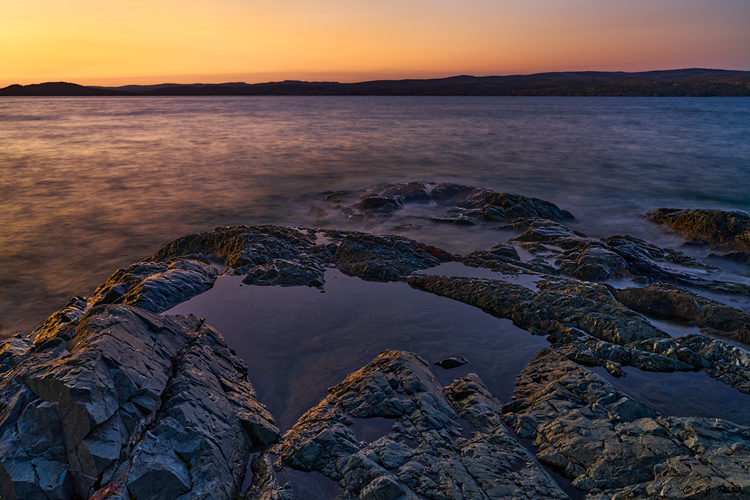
{"x": 395, "y": 79}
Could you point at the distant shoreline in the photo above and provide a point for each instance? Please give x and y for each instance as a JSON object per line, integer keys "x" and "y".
{"x": 670, "y": 83}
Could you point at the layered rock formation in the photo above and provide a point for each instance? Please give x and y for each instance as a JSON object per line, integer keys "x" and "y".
{"x": 126, "y": 404}
{"x": 612, "y": 446}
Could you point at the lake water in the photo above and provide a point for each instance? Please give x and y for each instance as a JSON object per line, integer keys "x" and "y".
{"x": 88, "y": 185}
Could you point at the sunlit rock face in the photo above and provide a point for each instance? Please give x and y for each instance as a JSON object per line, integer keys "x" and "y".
{"x": 726, "y": 230}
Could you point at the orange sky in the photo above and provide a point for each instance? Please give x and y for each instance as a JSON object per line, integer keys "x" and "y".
{"x": 107, "y": 42}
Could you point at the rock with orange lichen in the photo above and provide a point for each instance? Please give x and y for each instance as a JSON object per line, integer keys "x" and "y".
{"x": 723, "y": 229}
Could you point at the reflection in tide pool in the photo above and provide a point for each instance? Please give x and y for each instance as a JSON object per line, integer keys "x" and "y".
{"x": 297, "y": 341}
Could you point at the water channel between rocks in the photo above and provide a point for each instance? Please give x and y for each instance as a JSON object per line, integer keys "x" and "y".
{"x": 299, "y": 341}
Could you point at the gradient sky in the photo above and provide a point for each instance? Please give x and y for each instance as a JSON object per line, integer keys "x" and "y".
{"x": 108, "y": 42}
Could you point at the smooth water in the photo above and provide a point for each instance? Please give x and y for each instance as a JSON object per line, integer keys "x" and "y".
{"x": 88, "y": 185}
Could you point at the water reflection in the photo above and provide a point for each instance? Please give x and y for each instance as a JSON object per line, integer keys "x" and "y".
{"x": 297, "y": 342}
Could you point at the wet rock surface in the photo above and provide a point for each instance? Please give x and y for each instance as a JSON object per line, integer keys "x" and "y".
{"x": 438, "y": 443}
{"x": 556, "y": 308}
{"x": 131, "y": 404}
{"x": 664, "y": 301}
{"x": 156, "y": 286}
{"x": 612, "y": 446}
{"x": 722, "y": 229}
{"x": 385, "y": 258}
{"x": 459, "y": 204}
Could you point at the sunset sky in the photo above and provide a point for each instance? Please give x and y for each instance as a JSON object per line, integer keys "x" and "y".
{"x": 108, "y": 42}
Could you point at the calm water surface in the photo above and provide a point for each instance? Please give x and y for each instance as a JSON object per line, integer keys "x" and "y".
{"x": 88, "y": 185}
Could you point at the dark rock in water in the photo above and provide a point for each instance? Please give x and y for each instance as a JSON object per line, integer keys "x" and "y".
{"x": 728, "y": 364}
{"x": 458, "y": 220}
{"x": 612, "y": 446}
{"x": 156, "y": 286}
{"x": 556, "y": 307}
{"x": 131, "y": 403}
{"x": 379, "y": 204}
{"x": 505, "y": 206}
{"x": 665, "y": 301}
{"x": 442, "y": 443}
{"x": 728, "y": 230}
{"x": 463, "y": 204}
{"x": 284, "y": 272}
{"x": 384, "y": 258}
{"x": 239, "y": 246}
{"x": 738, "y": 257}
{"x": 590, "y": 259}
{"x": 452, "y": 362}
{"x": 645, "y": 357}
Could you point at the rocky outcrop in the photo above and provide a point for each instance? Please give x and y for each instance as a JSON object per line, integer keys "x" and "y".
{"x": 460, "y": 204}
{"x": 555, "y": 308}
{"x": 385, "y": 258}
{"x": 612, "y": 446}
{"x": 728, "y": 363}
{"x": 282, "y": 272}
{"x": 240, "y": 246}
{"x": 131, "y": 405}
{"x": 433, "y": 442}
{"x": 156, "y": 286}
{"x": 112, "y": 401}
{"x": 726, "y": 230}
{"x": 678, "y": 304}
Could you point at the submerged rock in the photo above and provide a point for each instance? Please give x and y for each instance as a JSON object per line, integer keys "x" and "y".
{"x": 437, "y": 442}
{"x": 132, "y": 403}
{"x": 728, "y": 230}
{"x": 454, "y": 203}
{"x": 452, "y": 362}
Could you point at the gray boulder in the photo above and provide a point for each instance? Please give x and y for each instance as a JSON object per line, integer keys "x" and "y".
{"x": 128, "y": 394}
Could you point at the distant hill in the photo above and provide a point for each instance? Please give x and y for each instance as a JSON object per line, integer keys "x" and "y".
{"x": 58, "y": 89}
{"x": 683, "y": 82}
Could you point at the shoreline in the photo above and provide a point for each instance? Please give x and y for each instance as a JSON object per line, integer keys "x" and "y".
{"x": 164, "y": 380}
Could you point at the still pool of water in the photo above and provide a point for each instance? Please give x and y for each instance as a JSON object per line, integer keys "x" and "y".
{"x": 297, "y": 341}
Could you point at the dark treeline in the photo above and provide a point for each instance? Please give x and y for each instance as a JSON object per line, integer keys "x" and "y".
{"x": 686, "y": 82}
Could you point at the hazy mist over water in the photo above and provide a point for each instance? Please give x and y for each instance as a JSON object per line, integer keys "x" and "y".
{"x": 88, "y": 185}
